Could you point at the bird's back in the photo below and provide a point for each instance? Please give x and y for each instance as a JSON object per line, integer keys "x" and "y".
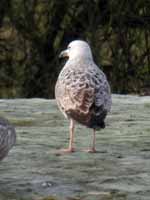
{"x": 83, "y": 93}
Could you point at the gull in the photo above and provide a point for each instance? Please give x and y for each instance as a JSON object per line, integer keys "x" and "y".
{"x": 82, "y": 91}
{"x": 7, "y": 137}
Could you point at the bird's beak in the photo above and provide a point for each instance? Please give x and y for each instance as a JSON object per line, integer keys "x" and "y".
{"x": 64, "y": 54}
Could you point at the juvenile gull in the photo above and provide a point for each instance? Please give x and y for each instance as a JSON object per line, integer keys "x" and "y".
{"x": 82, "y": 91}
{"x": 7, "y": 137}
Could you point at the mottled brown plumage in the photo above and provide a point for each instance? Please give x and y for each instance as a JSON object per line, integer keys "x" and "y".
{"x": 82, "y": 91}
{"x": 7, "y": 137}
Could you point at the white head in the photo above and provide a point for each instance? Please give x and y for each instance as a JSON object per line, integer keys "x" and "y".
{"x": 77, "y": 49}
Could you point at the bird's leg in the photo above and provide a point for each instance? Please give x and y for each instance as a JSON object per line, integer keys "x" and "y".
{"x": 92, "y": 149}
{"x": 94, "y": 141}
{"x": 71, "y": 139}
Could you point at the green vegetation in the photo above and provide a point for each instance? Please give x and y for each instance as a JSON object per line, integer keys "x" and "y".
{"x": 32, "y": 33}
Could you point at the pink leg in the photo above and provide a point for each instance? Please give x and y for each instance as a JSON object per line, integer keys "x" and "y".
{"x": 92, "y": 149}
{"x": 71, "y": 139}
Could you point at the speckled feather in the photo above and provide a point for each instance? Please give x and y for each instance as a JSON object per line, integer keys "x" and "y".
{"x": 83, "y": 93}
{"x": 7, "y": 137}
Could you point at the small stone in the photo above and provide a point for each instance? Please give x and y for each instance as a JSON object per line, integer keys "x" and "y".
{"x": 46, "y": 184}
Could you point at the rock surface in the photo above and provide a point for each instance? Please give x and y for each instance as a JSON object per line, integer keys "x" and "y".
{"x": 35, "y": 170}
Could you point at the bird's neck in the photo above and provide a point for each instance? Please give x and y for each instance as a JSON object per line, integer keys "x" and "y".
{"x": 80, "y": 60}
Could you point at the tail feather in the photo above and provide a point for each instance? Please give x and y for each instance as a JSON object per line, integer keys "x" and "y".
{"x": 96, "y": 123}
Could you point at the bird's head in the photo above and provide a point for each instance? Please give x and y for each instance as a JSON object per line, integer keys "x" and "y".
{"x": 77, "y": 49}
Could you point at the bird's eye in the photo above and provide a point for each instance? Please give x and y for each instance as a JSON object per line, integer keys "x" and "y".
{"x": 69, "y": 47}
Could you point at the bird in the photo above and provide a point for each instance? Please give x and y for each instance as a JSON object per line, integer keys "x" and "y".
{"x": 82, "y": 91}
{"x": 7, "y": 137}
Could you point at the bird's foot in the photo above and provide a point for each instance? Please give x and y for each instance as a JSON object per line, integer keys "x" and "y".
{"x": 68, "y": 150}
{"x": 91, "y": 150}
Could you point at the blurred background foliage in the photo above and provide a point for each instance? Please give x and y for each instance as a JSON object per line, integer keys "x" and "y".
{"x": 33, "y": 32}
